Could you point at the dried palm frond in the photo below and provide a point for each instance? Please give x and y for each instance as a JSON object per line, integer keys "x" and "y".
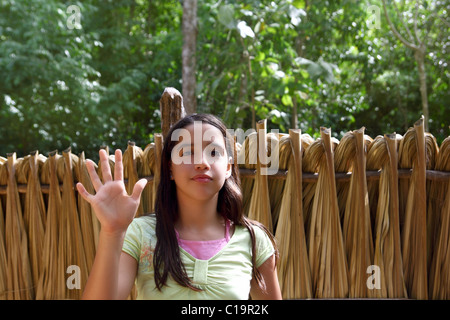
{"x": 350, "y": 155}
{"x": 247, "y": 160}
{"x": 439, "y": 280}
{"x": 293, "y": 268}
{"x": 433, "y": 216}
{"x": 311, "y": 162}
{"x": 19, "y": 279}
{"x": 146, "y": 170}
{"x": 3, "y": 171}
{"x": 132, "y": 158}
{"x": 70, "y": 232}
{"x": 112, "y": 162}
{"x": 259, "y": 208}
{"x": 343, "y": 161}
{"x": 157, "y": 165}
{"x": 327, "y": 256}
{"x": 90, "y": 226}
{"x": 382, "y": 155}
{"x": 414, "y": 239}
{"x": 50, "y": 280}
{"x": 276, "y": 184}
{"x": 34, "y": 211}
{"x": 344, "y": 155}
{"x": 3, "y": 266}
{"x": 372, "y": 185}
{"x": 3, "y": 269}
{"x": 3, "y": 183}
{"x": 61, "y": 288}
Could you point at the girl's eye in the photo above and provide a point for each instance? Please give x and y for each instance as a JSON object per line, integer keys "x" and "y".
{"x": 216, "y": 153}
{"x": 185, "y": 153}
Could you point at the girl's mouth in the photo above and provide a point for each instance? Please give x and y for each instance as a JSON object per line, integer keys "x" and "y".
{"x": 203, "y": 178}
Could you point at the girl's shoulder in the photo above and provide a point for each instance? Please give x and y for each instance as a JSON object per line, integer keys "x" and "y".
{"x": 264, "y": 244}
{"x": 140, "y": 236}
{"x": 143, "y": 224}
{"x": 260, "y": 231}
{"x": 148, "y": 219}
{"x": 262, "y": 236}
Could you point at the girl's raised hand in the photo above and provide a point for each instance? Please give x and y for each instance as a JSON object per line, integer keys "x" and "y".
{"x": 114, "y": 208}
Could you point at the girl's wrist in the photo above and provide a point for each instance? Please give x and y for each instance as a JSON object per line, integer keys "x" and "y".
{"x": 116, "y": 234}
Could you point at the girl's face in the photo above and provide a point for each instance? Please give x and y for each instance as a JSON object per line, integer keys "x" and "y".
{"x": 199, "y": 163}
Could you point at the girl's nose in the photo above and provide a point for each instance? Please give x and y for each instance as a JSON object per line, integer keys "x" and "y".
{"x": 204, "y": 164}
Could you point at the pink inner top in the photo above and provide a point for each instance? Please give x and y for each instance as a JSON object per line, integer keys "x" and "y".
{"x": 204, "y": 250}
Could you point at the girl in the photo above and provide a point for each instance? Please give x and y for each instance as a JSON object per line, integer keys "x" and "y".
{"x": 197, "y": 244}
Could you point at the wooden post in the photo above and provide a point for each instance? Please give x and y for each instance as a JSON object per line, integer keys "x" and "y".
{"x": 171, "y": 107}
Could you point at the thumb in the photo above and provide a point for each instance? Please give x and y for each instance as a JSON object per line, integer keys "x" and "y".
{"x": 82, "y": 191}
{"x": 138, "y": 188}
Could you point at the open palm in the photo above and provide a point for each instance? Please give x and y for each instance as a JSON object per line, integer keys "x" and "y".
{"x": 114, "y": 208}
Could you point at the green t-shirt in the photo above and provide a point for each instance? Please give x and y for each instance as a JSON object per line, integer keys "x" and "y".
{"x": 225, "y": 276}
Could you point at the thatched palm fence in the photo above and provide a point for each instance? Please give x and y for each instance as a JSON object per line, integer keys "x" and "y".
{"x": 361, "y": 217}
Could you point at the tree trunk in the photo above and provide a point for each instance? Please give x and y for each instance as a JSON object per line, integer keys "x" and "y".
{"x": 189, "y": 26}
{"x": 419, "y": 55}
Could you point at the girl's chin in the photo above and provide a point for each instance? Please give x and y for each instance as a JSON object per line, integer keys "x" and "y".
{"x": 200, "y": 195}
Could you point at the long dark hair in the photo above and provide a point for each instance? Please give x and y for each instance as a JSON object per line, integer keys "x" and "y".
{"x": 166, "y": 258}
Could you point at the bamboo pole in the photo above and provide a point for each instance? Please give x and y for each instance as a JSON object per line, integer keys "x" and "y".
{"x": 308, "y": 177}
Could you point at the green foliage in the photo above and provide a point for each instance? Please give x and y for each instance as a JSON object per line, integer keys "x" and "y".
{"x": 101, "y": 84}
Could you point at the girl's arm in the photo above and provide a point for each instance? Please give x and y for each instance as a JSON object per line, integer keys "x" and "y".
{"x": 113, "y": 272}
{"x": 268, "y": 271}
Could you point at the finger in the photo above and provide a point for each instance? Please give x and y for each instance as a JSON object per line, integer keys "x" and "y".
{"x": 84, "y": 194}
{"x": 106, "y": 170}
{"x": 96, "y": 182}
{"x": 118, "y": 166}
{"x": 138, "y": 188}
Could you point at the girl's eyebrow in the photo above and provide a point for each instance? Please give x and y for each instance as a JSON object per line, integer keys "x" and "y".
{"x": 183, "y": 145}
{"x": 213, "y": 144}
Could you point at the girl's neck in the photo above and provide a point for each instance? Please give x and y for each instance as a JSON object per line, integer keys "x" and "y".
{"x": 199, "y": 215}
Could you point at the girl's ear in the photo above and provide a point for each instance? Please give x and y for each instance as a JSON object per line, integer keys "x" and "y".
{"x": 229, "y": 168}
